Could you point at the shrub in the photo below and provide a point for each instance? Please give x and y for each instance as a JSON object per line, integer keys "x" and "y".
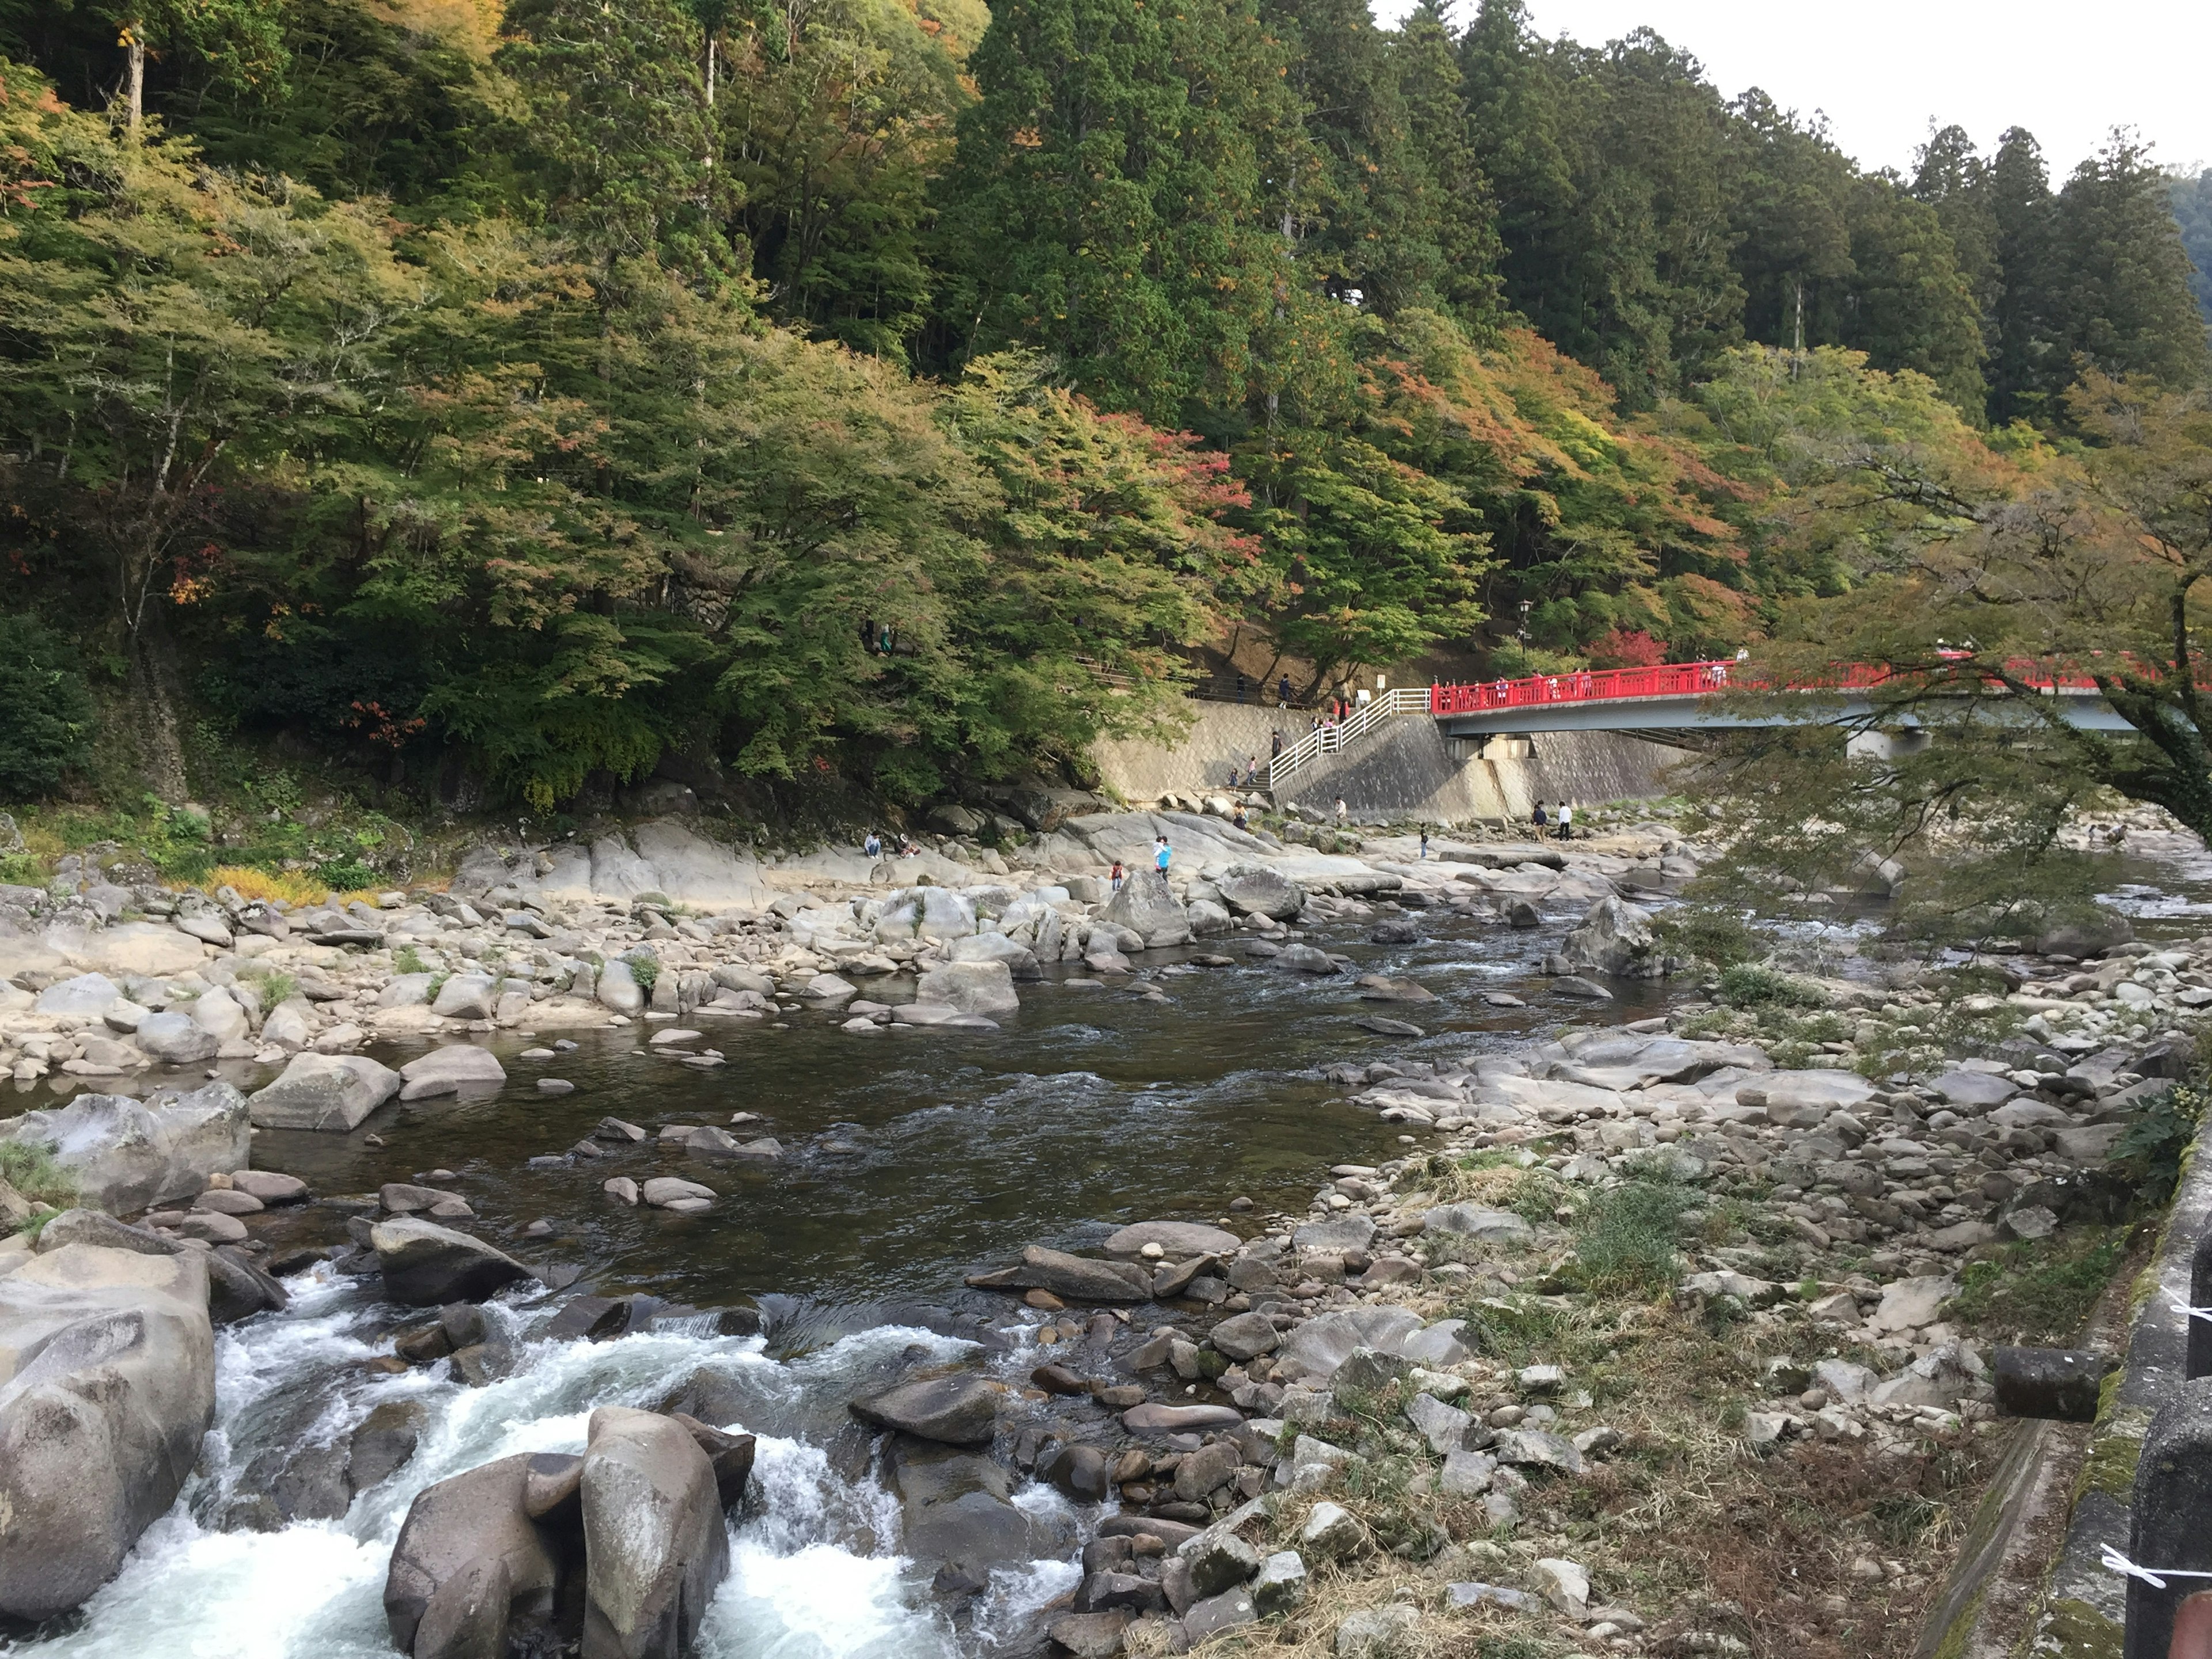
{"x": 1718, "y": 937}
{"x": 346, "y": 875}
{"x": 292, "y": 886}
{"x": 1624, "y": 1237}
{"x": 46, "y": 711}
{"x": 30, "y": 1168}
{"x": 275, "y": 986}
{"x": 2147, "y": 1154}
{"x": 409, "y": 960}
{"x": 1750, "y": 984}
{"x": 645, "y": 969}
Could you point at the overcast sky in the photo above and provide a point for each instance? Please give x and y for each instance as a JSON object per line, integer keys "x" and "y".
{"x": 2067, "y": 72}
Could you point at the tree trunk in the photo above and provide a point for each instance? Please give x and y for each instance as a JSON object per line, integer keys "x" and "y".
{"x": 136, "y": 80}
{"x": 154, "y": 702}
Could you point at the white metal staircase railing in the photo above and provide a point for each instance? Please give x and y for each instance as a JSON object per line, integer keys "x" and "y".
{"x": 1327, "y": 739}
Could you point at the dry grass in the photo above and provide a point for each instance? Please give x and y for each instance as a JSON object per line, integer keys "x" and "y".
{"x": 292, "y": 886}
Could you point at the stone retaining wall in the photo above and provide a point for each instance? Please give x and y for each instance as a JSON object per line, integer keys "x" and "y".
{"x": 1405, "y": 768}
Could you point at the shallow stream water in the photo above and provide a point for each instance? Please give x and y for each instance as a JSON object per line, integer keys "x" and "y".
{"x": 912, "y": 1158}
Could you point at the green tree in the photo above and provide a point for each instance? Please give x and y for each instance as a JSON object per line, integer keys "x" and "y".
{"x": 2192, "y": 211}
{"x": 2119, "y": 295}
{"x": 46, "y": 711}
{"x": 1107, "y": 202}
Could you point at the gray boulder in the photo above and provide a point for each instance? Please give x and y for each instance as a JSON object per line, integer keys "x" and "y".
{"x": 1147, "y": 908}
{"x": 1304, "y": 959}
{"x": 1175, "y": 1238}
{"x": 427, "y": 1266}
{"x": 617, "y": 988}
{"x": 175, "y": 1040}
{"x": 955, "y": 1411}
{"x": 1614, "y": 937}
{"x": 451, "y": 1070}
{"x": 2086, "y": 936}
{"x": 323, "y": 1091}
{"x": 973, "y": 987}
{"x": 88, "y": 995}
{"x": 1254, "y": 890}
{"x": 1473, "y": 1221}
{"x": 128, "y": 1155}
{"x": 1314, "y": 1351}
{"x": 1020, "y": 961}
{"x": 106, "y": 1386}
{"x": 913, "y": 913}
{"x": 464, "y": 1540}
{"x": 1074, "y": 1278}
{"x": 654, "y": 1545}
{"x": 959, "y": 1516}
{"x": 466, "y": 996}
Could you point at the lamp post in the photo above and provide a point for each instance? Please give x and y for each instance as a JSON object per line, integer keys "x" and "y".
{"x": 1522, "y": 633}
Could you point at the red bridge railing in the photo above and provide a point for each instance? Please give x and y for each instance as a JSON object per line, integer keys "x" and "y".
{"x": 1679, "y": 679}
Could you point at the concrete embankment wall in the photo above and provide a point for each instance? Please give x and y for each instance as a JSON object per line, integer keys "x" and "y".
{"x": 1405, "y": 768}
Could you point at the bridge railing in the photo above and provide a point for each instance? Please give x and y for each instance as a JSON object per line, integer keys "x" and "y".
{"x": 1685, "y": 679}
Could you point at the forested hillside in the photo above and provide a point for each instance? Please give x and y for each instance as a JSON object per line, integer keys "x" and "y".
{"x": 908, "y": 392}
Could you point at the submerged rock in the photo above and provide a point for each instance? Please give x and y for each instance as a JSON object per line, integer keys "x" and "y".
{"x": 101, "y": 1424}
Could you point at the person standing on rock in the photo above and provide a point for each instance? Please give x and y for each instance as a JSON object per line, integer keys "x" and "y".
{"x": 1343, "y": 813}
{"x": 1566, "y": 821}
{"x": 1161, "y": 855}
{"x": 1116, "y": 878}
{"x": 1541, "y": 818}
{"x": 1425, "y": 840}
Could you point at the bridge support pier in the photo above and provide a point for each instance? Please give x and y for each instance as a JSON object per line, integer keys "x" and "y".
{"x": 1895, "y": 743}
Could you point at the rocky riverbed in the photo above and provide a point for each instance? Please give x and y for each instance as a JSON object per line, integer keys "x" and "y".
{"x": 461, "y": 1173}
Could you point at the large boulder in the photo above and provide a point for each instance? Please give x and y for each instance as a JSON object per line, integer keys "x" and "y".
{"x": 323, "y": 1091}
{"x": 221, "y": 1016}
{"x": 1020, "y": 961}
{"x": 959, "y": 1516}
{"x": 1313, "y": 1352}
{"x": 426, "y": 1266}
{"x": 127, "y": 1155}
{"x": 1072, "y": 1278}
{"x": 1254, "y": 890}
{"x": 88, "y": 995}
{"x": 106, "y": 1386}
{"x": 923, "y": 913}
{"x": 457, "y": 1067}
{"x": 466, "y": 996}
{"x": 2089, "y": 935}
{"x": 654, "y": 1545}
{"x": 1614, "y": 937}
{"x": 175, "y": 1040}
{"x": 957, "y": 1411}
{"x": 973, "y": 987}
{"x": 464, "y": 1539}
{"x": 1175, "y": 1238}
{"x": 617, "y": 988}
{"x": 1147, "y": 908}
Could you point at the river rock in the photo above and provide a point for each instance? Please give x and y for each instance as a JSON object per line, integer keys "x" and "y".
{"x": 288, "y": 1025}
{"x": 1021, "y": 962}
{"x": 1246, "y": 1335}
{"x": 463, "y": 1537}
{"x": 324, "y": 1091}
{"x": 1474, "y": 1221}
{"x": 1304, "y": 959}
{"x": 1801, "y": 1099}
{"x": 427, "y": 1266}
{"x": 2086, "y": 936}
{"x": 956, "y": 1410}
{"x": 1072, "y": 1277}
{"x": 1153, "y": 1419}
{"x": 106, "y": 1386}
{"x": 1147, "y": 908}
{"x": 174, "y": 1040}
{"x": 1614, "y": 937}
{"x": 270, "y": 1187}
{"x": 87, "y": 996}
{"x": 1254, "y": 890}
{"x": 466, "y": 996}
{"x": 1336, "y": 1233}
{"x": 1316, "y": 1349}
{"x": 1175, "y": 1238}
{"x": 959, "y": 1518}
{"x": 127, "y": 1155}
{"x": 913, "y": 913}
{"x": 671, "y": 1193}
{"x": 617, "y": 989}
{"x": 219, "y": 1014}
{"x": 456, "y": 1067}
{"x": 971, "y": 988}
{"x": 1970, "y": 1092}
{"x": 654, "y": 1545}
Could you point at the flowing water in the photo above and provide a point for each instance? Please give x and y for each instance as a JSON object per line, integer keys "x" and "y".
{"x": 912, "y": 1157}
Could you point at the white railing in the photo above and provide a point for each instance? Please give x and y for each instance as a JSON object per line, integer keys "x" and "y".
{"x": 1327, "y": 738}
